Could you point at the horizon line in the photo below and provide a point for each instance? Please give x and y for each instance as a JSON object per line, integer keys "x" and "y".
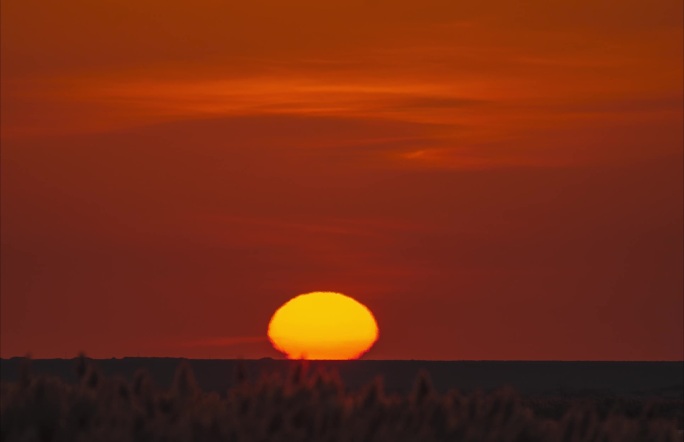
{"x": 267, "y": 358}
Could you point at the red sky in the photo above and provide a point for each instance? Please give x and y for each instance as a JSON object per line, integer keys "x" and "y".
{"x": 495, "y": 180}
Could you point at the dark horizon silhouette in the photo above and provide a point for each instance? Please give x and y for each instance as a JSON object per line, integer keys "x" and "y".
{"x": 580, "y": 378}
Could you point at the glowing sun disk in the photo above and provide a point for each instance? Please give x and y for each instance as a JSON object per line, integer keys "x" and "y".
{"x": 323, "y": 325}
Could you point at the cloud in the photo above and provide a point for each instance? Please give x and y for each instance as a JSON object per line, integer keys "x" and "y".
{"x": 229, "y": 341}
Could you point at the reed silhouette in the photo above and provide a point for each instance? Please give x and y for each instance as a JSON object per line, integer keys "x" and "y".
{"x": 305, "y": 405}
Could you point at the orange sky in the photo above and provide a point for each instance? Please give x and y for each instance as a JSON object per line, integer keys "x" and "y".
{"x": 495, "y": 180}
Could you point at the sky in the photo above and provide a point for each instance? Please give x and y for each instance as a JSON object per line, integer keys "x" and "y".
{"x": 494, "y": 180}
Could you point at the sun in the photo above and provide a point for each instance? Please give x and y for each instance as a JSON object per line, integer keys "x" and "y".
{"x": 323, "y": 325}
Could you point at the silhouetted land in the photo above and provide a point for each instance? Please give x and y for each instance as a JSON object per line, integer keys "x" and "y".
{"x": 662, "y": 379}
{"x": 139, "y": 399}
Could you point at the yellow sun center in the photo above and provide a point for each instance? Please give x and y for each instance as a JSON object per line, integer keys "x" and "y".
{"x": 323, "y": 325}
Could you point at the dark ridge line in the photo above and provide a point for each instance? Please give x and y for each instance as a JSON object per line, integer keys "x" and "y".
{"x": 180, "y": 358}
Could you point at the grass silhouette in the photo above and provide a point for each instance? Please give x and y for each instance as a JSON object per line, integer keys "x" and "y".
{"x": 308, "y": 406}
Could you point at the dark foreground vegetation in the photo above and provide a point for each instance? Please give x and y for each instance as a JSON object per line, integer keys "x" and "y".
{"x": 311, "y": 406}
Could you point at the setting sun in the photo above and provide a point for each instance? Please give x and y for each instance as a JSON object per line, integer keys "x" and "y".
{"x": 323, "y": 325}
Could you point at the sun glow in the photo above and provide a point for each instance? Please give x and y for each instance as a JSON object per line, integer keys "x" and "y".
{"x": 323, "y": 325}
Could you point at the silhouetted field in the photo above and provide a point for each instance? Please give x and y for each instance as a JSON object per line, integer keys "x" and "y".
{"x": 309, "y": 402}
{"x": 546, "y": 378}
